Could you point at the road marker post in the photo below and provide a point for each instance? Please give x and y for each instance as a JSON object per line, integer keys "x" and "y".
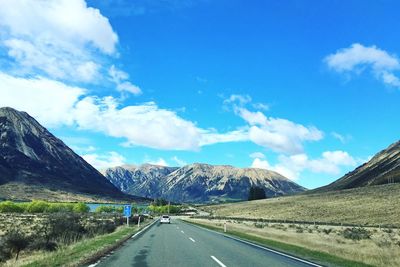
{"x": 138, "y": 223}
{"x": 224, "y": 227}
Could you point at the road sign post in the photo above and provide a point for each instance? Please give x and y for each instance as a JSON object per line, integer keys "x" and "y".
{"x": 127, "y": 213}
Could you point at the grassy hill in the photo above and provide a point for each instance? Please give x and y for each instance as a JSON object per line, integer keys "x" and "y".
{"x": 372, "y": 205}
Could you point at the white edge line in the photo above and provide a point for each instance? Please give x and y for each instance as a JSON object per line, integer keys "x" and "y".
{"x": 192, "y": 239}
{"x": 218, "y": 261}
{"x": 261, "y": 247}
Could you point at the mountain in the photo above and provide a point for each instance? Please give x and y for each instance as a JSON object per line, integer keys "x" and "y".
{"x": 199, "y": 183}
{"x": 34, "y": 162}
{"x": 143, "y": 180}
{"x": 383, "y": 168}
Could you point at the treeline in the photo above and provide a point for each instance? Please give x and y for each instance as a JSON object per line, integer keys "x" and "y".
{"x": 164, "y": 209}
{"x": 39, "y": 206}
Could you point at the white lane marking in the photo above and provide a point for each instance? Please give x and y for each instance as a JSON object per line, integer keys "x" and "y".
{"x": 182, "y": 232}
{"x": 192, "y": 239}
{"x": 177, "y": 227}
{"x": 218, "y": 261}
{"x": 258, "y": 246}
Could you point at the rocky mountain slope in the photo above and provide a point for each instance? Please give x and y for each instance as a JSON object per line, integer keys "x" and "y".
{"x": 199, "y": 183}
{"x": 383, "y": 168}
{"x": 143, "y": 180}
{"x": 33, "y": 159}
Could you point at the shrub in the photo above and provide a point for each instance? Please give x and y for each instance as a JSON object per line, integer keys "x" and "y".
{"x": 327, "y": 231}
{"x": 5, "y": 253}
{"x": 38, "y": 206}
{"x": 81, "y": 208}
{"x": 8, "y": 206}
{"x": 107, "y": 209}
{"x": 259, "y": 225}
{"x": 100, "y": 228}
{"x": 41, "y": 243}
{"x": 356, "y": 233}
{"x": 299, "y": 229}
{"x": 15, "y": 242}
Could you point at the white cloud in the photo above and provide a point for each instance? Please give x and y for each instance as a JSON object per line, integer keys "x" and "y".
{"x": 342, "y": 138}
{"x": 179, "y": 161}
{"x": 108, "y": 160}
{"x": 260, "y": 164}
{"x": 159, "y": 162}
{"x": 261, "y": 106}
{"x": 238, "y": 99}
{"x": 358, "y": 57}
{"x": 280, "y": 135}
{"x": 292, "y": 166}
{"x": 50, "y": 102}
{"x": 257, "y": 155}
{"x": 54, "y": 103}
{"x": 64, "y": 21}
{"x": 120, "y": 77}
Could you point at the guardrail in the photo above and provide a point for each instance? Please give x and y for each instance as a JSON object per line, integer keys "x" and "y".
{"x": 264, "y": 220}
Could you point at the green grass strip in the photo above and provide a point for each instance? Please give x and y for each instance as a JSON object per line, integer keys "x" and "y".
{"x": 83, "y": 251}
{"x": 294, "y": 250}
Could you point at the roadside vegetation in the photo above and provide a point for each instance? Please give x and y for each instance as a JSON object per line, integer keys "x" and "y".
{"x": 40, "y": 206}
{"x": 162, "y": 206}
{"x": 41, "y": 228}
{"x": 328, "y": 245}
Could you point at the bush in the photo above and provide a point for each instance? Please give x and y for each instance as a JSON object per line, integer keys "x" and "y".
{"x": 109, "y": 209}
{"x": 5, "y": 253}
{"x": 38, "y": 206}
{"x": 41, "y": 243}
{"x": 327, "y": 231}
{"x": 81, "y": 208}
{"x": 101, "y": 228}
{"x": 8, "y": 206}
{"x": 356, "y": 233}
{"x": 15, "y": 242}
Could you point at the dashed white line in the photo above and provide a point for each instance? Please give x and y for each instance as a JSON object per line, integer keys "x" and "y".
{"x": 192, "y": 239}
{"x": 218, "y": 261}
{"x": 182, "y": 232}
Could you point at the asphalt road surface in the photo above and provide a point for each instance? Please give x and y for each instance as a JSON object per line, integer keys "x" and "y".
{"x": 181, "y": 244}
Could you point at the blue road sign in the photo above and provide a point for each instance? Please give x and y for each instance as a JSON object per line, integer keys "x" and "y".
{"x": 127, "y": 210}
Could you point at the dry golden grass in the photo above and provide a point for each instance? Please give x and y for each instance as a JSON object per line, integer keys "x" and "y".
{"x": 382, "y": 249}
{"x": 375, "y": 205}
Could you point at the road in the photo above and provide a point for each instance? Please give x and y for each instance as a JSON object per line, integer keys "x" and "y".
{"x": 181, "y": 244}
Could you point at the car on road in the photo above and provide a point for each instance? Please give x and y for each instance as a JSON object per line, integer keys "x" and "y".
{"x": 165, "y": 219}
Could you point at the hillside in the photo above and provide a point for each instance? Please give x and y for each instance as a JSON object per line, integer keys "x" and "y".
{"x": 383, "y": 168}
{"x": 143, "y": 180}
{"x": 34, "y": 162}
{"x": 371, "y": 205}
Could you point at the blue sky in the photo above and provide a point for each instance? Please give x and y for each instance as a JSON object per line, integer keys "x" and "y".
{"x": 306, "y": 88}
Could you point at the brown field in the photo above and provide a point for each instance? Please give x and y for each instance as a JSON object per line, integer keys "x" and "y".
{"x": 374, "y": 205}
